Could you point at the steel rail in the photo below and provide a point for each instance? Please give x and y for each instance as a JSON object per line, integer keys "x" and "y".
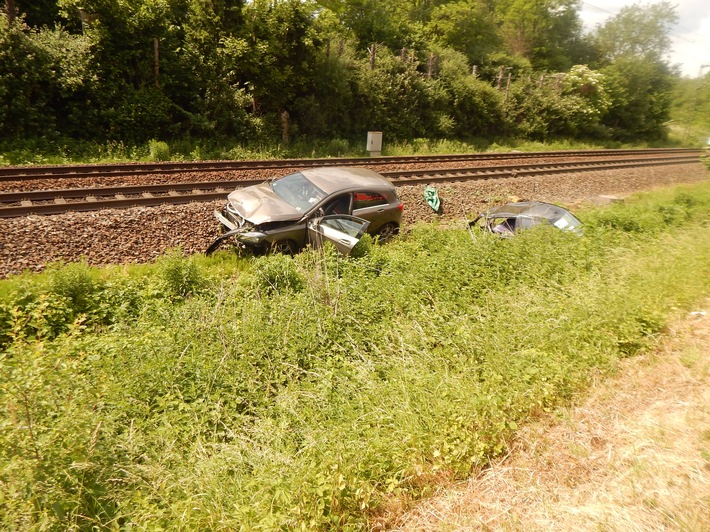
{"x": 145, "y": 195}
{"x": 25, "y": 173}
{"x": 127, "y": 190}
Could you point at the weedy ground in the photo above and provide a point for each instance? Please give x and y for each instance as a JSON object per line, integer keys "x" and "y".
{"x": 634, "y": 455}
{"x": 316, "y": 392}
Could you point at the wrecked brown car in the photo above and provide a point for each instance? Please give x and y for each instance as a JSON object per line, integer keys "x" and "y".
{"x": 287, "y": 213}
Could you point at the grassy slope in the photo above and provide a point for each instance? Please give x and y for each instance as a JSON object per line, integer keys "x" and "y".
{"x": 633, "y": 455}
{"x": 287, "y": 392}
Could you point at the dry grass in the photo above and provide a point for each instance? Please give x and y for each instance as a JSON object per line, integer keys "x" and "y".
{"x": 634, "y": 456}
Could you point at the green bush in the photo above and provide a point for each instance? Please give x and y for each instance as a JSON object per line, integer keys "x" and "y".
{"x": 159, "y": 150}
{"x": 277, "y": 273}
{"x": 180, "y": 276}
{"x": 77, "y": 283}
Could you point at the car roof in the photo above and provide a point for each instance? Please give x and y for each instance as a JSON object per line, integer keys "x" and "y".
{"x": 332, "y": 179}
{"x": 536, "y": 209}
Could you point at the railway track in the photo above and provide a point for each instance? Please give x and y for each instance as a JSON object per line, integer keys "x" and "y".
{"x": 15, "y": 204}
{"x": 26, "y": 173}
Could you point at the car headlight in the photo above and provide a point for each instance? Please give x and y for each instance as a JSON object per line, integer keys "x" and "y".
{"x": 251, "y": 237}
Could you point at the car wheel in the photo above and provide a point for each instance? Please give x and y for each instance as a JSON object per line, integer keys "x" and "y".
{"x": 387, "y": 232}
{"x": 284, "y": 247}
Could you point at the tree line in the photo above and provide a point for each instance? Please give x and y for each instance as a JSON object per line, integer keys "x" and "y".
{"x": 279, "y": 70}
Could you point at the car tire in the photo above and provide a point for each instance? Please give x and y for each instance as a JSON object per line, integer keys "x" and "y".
{"x": 284, "y": 247}
{"x": 387, "y": 232}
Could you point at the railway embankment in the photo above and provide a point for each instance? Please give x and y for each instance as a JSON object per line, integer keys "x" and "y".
{"x": 141, "y": 234}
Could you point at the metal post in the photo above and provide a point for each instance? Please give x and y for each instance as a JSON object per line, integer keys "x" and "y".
{"x": 156, "y": 61}
{"x": 507, "y": 84}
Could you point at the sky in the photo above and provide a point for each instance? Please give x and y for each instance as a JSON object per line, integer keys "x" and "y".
{"x": 690, "y": 37}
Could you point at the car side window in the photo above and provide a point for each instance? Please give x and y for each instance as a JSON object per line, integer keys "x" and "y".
{"x": 502, "y": 225}
{"x": 349, "y": 227}
{"x": 363, "y": 200}
{"x": 526, "y": 222}
{"x": 339, "y": 205}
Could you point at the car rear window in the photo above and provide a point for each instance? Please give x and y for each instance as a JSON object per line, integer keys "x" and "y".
{"x": 363, "y": 200}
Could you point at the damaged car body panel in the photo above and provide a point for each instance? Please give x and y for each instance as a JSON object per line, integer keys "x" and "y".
{"x": 510, "y": 218}
{"x": 260, "y": 204}
{"x": 275, "y": 214}
{"x": 340, "y": 230}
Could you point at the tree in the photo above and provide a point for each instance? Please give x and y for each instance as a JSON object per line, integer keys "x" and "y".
{"x": 390, "y": 98}
{"x": 690, "y": 111}
{"x": 587, "y": 88}
{"x": 467, "y": 27}
{"x": 640, "y": 92}
{"x": 569, "y": 104}
{"x": 545, "y": 32}
{"x": 473, "y": 107}
{"x": 637, "y": 31}
{"x": 158, "y": 68}
{"x": 280, "y": 56}
{"x": 631, "y": 48}
{"x": 213, "y": 95}
{"x": 373, "y": 21}
{"x": 26, "y": 83}
{"x": 38, "y": 13}
{"x": 120, "y": 98}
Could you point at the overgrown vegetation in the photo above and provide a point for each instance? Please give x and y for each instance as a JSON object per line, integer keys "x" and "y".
{"x": 278, "y": 392}
{"x": 238, "y": 77}
{"x": 230, "y": 149}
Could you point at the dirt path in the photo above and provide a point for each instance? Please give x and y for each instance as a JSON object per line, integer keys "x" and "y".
{"x": 633, "y": 456}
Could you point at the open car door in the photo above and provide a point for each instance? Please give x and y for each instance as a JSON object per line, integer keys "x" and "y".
{"x": 341, "y": 230}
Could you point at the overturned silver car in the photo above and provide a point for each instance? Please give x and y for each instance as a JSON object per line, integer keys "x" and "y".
{"x": 510, "y": 218}
{"x": 311, "y": 206}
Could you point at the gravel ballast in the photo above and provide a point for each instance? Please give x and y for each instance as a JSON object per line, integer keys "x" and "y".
{"x": 142, "y": 234}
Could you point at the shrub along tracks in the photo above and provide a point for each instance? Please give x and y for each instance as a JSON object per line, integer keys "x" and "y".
{"x": 55, "y": 201}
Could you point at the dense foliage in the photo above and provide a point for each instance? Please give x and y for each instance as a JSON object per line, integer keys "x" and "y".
{"x": 279, "y": 71}
{"x": 304, "y": 393}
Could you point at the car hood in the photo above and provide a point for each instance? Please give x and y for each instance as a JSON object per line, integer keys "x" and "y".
{"x": 258, "y": 204}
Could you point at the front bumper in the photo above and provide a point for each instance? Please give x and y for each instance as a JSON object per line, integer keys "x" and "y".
{"x": 229, "y": 224}
{"x": 242, "y": 232}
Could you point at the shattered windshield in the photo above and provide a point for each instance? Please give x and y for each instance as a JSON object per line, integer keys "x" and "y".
{"x": 297, "y": 191}
{"x": 546, "y": 213}
{"x": 567, "y": 222}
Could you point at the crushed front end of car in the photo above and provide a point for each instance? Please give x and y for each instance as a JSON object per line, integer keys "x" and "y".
{"x": 251, "y": 215}
{"x": 258, "y": 237}
{"x": 243, "y": 232}
{"x": 244, "y": 235}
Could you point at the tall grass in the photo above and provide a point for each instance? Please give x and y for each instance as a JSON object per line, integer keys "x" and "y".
{"x": 305, "y": 392}
{"x": 71, "y": 151}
